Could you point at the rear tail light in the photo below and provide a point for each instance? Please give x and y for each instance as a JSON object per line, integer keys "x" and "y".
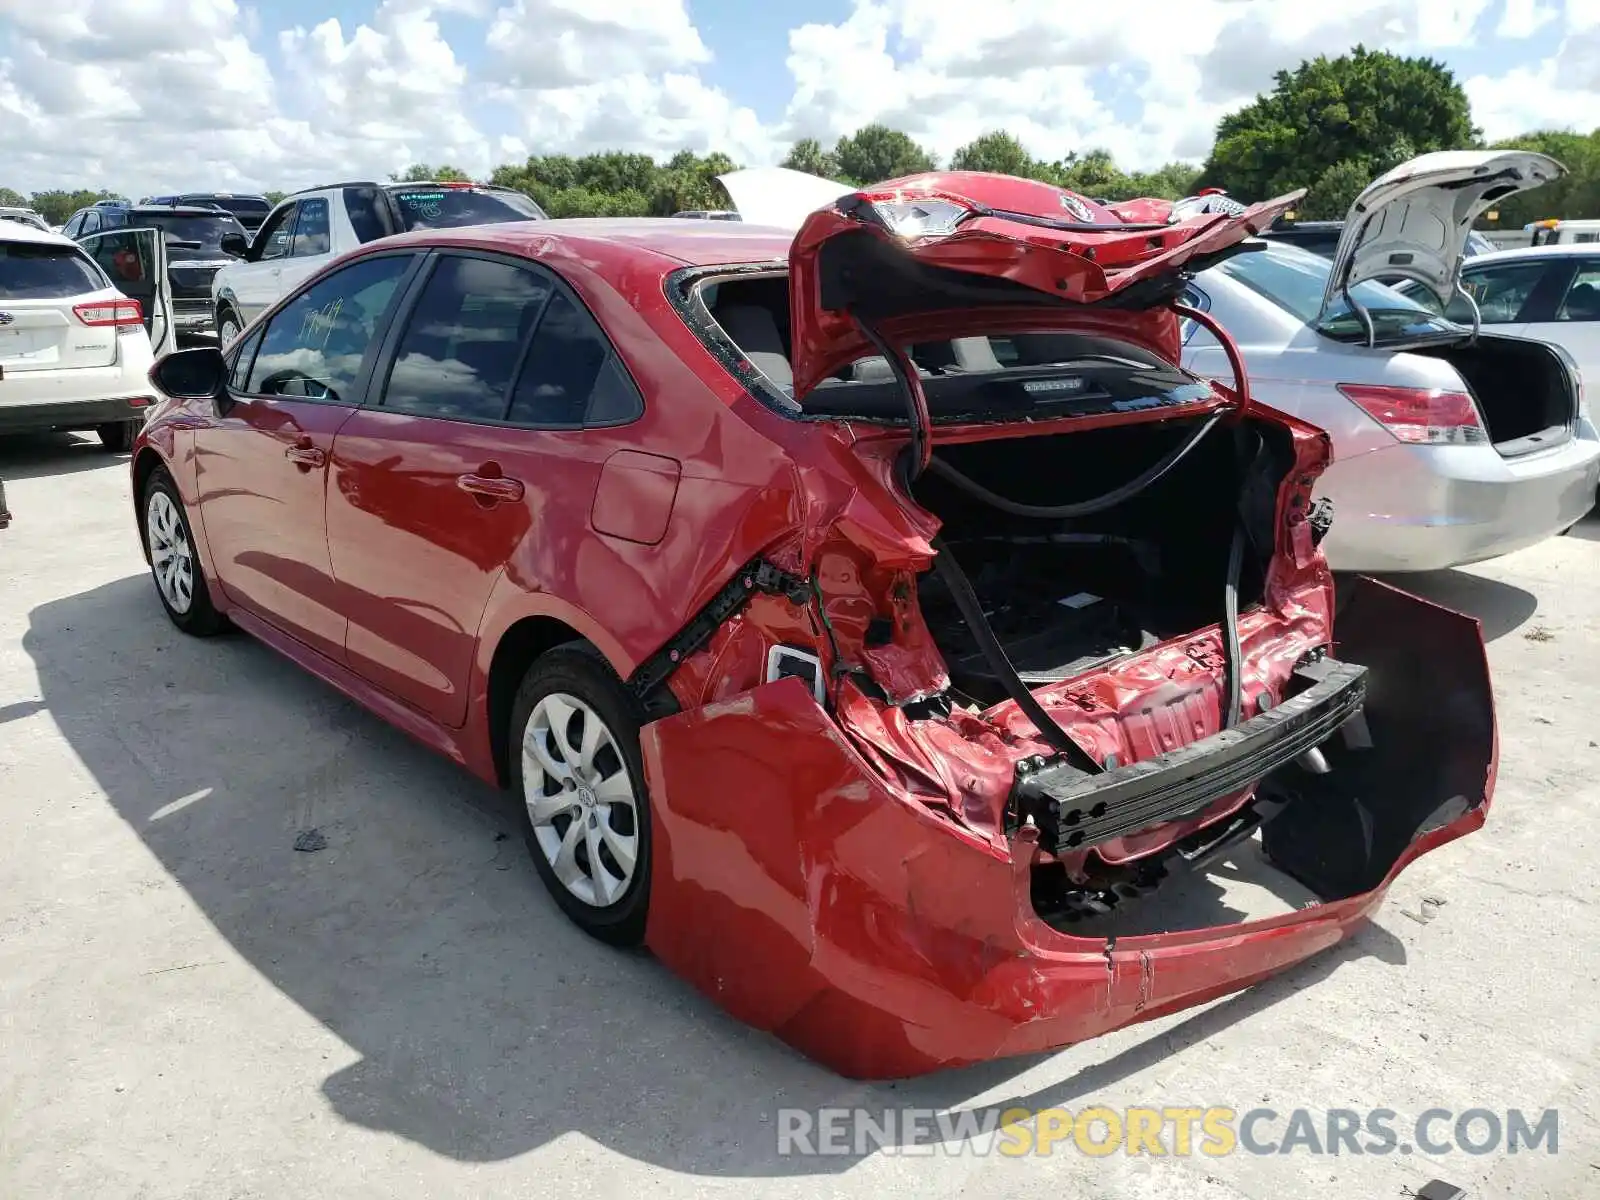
{"x": 1422, "y": 416}
{"x": 110, "y": 312}
{"x": 922, "y": 218}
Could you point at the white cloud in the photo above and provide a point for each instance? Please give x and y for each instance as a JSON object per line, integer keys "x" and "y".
{"x": 153, "y": 94}
{"x": 1039, "y": 70}
{"x": 1524, "y": 18}
{"x": 613, "y": 74}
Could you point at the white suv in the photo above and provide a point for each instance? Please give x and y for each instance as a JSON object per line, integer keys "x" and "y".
{"x": 76, "y": 351}
{"x": 309, "y": 229}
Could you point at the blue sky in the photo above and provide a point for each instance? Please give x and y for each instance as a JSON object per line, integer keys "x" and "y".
{"x": 154, "y": 94}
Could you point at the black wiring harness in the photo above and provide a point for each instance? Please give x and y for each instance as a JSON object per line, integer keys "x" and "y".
{"x": 920, "y": 459}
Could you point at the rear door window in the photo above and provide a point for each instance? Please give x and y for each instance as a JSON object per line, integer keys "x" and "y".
{"x": 316, "y": 345}
{"x": 572, "y": 376}
{"x": 464, "y": 339}
{"x": 1582, "y": 301}
{"x": 35, "y": 272}
{"x": 123, "y": 257}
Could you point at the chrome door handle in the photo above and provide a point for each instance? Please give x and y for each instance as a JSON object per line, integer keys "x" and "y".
{"x": 490, "y": 487}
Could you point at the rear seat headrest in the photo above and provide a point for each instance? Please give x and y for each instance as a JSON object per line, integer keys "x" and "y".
{"x": 755, "y": 331}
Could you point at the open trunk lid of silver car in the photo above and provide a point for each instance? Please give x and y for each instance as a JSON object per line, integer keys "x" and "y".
{"x": 1414, "y": 221}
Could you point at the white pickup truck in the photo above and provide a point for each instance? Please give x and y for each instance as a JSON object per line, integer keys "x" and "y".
{"x": 310, "y": 229}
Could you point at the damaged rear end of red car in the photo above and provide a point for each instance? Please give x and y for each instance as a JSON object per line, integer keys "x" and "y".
{"x": 1047, "y": 634}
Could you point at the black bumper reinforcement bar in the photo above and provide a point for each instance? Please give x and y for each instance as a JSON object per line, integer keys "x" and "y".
{"x": 1074, "y": 809}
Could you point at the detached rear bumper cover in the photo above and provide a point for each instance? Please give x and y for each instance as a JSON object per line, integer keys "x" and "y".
{"x": 806, "y": 895}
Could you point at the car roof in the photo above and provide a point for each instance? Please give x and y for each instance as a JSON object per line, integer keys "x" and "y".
{"x": 182, "y": 210}
{"x": 1554, "y": 250}
{"x": 689, "y": 243}
{"x": 16, "y": 231}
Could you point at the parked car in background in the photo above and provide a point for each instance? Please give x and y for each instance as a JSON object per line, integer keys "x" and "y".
{"x": 1547, "y": 292}
{"x": 647, "y": 521}
{"x": 75, "y": 347}
{"x": 1322, "y": 238}
{"x": 709, "y": 214}
{"x": 250, "y": 210}
{"x": 195, "y": 251}
{"x": 24, "y": 216}
{"x": 1557, "y": 232}
{"x": 309, "y": 229}
{"x": 1447, "y": 448}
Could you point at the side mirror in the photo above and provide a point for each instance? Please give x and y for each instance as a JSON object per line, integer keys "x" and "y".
{"x": 201, "y": 373}
{"x": 235, "y": 244}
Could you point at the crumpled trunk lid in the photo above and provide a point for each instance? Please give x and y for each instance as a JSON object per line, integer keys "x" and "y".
{"x": 953, "y": 253}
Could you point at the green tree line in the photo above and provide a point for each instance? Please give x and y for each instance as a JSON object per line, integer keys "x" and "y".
{"x": 1331, "y": 125}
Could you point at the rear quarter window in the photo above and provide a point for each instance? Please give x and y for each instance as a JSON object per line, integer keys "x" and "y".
{"x": 32, "y": 272}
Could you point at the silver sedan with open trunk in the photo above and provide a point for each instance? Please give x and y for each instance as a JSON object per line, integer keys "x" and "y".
{"x": 1451, "y": 445}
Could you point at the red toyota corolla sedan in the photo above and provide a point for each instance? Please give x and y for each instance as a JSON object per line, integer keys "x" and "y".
{"x": 876, "y": 623}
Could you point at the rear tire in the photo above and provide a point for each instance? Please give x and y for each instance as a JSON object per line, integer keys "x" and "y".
{"x": 116, "y": 437}
{"x": 577, "y": 770}
{"x": 174, "y": 564}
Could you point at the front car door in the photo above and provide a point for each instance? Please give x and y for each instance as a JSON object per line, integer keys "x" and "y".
{"x": 257, "y": 282}
{"x": 135, "y": 260}
{"x": 474, "y": 444}
{"x": 262, "y": 465}
{"x": 1508, "y": 294}
{"x": 311, "y": 248}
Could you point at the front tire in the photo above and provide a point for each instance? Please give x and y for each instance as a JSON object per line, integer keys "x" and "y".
{"x": 228, "y": 327}
{"x": 174, "y": 565}
{"x": 576, "y": 767}
{"x": 116, "y": 437}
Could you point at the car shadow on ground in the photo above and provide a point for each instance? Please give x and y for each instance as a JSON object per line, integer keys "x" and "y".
{"x": 1500, "y": 607}
{"x": 483, "y": 1024}
{"x": 1587, "y": 529}
{"x": 36, "y": 455}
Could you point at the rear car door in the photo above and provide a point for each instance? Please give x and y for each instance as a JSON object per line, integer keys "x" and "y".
{"x": 474, "y": 444}
{"x": 135, "y": 260}
{"x": 262, "y": 464}
{"x": 1573, "y": 319}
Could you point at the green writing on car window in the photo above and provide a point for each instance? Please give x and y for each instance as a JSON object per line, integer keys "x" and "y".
{"x": 318, "y": 324}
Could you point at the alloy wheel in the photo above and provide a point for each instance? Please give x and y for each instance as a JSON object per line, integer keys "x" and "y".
{"x": 171, "y": 558}
{"x": 227, "y": 331}
{"x": 580, "y": 799}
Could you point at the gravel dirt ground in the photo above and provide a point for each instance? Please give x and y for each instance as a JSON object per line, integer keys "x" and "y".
{"x": 191, "y": 1008}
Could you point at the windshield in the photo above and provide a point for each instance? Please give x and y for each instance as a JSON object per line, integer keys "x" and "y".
{"x": 207, "y": 231}
{"x": 451, "y": 208}
{"x": 1295, "y": 280}
{"x": 29, "y": 272}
